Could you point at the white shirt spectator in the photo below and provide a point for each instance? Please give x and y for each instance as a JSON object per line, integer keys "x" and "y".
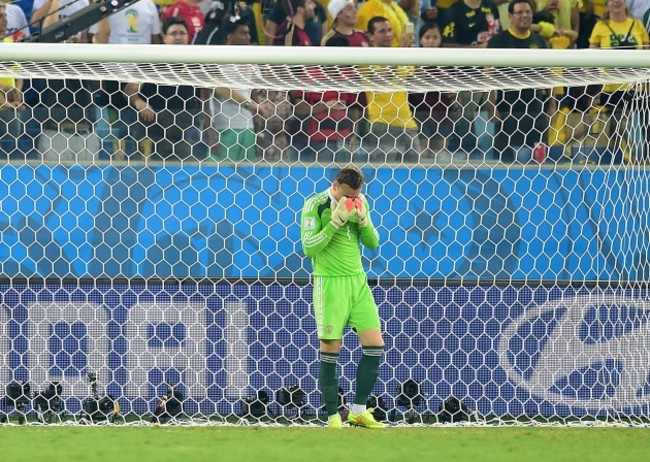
{"x": 68, "y": 7}
{"x": 230, "y": 115}
{"x": 638, "y": 8}
{"x": 16, "y": 22}
{"x": 135, "y": 24}
{"x": 227, "y": 113}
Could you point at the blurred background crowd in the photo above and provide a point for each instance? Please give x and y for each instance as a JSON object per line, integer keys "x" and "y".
{"x": 79, "y": 120}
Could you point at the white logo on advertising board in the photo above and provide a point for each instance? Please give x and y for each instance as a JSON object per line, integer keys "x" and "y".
{"x": 551, "y": 342}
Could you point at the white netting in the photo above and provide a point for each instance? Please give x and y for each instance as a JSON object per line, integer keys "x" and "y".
{"x": 328, "y": 69}
{"x": 148, "y": 263}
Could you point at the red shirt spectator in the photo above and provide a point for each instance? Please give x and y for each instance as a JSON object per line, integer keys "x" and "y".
{"x": 294, "y": 37}
{"x": 328, "y": 125}
{"x": 292, "y": 33}
{"x": 355, "y": 39}
{"x": 344, "y": 15}
{"x": 190, "y": 13}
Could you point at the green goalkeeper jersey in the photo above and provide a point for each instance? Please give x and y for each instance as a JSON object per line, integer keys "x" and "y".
{"x": 334, "y": 252}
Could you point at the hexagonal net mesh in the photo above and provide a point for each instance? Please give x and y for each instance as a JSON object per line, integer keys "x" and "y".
{"x": 153, "y": 272}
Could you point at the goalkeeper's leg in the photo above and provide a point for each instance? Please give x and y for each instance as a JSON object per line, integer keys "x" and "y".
{"x": 328, "y": 381}
{"x": 331, "y": 316}
{"x": 365, "y": 320}
{"x": 367, "y": 373}
{"x": 368, "y": 369}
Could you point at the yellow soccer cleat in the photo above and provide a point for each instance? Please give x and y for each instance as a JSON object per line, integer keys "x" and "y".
{"x": 365, "y": 419}
{"x": 335, "y": 421}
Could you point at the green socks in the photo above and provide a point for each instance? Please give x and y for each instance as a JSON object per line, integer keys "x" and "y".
{"x": 367, "y": 373}
{"x": 329, "y": 383}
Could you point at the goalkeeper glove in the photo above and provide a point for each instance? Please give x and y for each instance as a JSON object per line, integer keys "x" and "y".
{"x": 343, "y": 211}
{"x": 362, "y": 213}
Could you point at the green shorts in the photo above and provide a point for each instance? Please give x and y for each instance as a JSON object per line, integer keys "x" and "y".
{"x": 343, "y": 300}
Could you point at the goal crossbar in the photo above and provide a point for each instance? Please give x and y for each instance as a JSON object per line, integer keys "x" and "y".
{"x": 320, "y": 68}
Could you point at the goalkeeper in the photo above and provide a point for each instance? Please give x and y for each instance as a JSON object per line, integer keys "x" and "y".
{"x": 332, "y": 224}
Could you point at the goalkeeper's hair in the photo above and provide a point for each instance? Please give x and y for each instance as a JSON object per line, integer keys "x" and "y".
{"x": 351, "y": 176}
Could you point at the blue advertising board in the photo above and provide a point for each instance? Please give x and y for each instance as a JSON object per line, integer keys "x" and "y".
{"x": 502, "y": 351}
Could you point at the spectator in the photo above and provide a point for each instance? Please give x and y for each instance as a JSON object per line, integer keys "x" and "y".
{"x": 621, "y": 31}
{"x": 329, "y": 119}
{"x": 51, "y": 11}
{"x": 275, "y": 26}
{"x": 11, "y": 100}
{"x": 471, "y": 23}
{"x": 522, "y": 122}
{"x": 393, "y": 133}
{"x": 589, "y": 13}
{"x": 558, "y": 21}
{"x": 139, "y": 23}
{"x": 502, "y": 6}
{"x": 344, "y": 19}
{"x": 169, "y": 116}
{"x": 273, "y": 116}
{"x": 17, "y": 25}
{"x": 261, "y": 10}
{"x": 394, "y": 14}
{"x": 431, "y": 108}
{"x": 233, "y": 110}
{"x": 428, "y": 11}
{"x": 444, "y": 5}
{"x": 344, "y": 14}
{"x": 67, "y": 114}
{"x": 637, "y": 8}
{"x": 292, "y": 31}
{"x": 566, "y": 21}
{"x": 413, "y": 8}
{"x": 65, "y": 108}
{"x": 190, "y": 12}
{"x": 163, "y": 5}
{"x": 213, "y": 34}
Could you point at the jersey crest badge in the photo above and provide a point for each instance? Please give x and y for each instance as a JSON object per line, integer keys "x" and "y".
{"x": 310, "y": 223}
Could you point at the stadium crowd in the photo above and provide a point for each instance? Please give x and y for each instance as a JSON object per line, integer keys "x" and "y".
{"x": 80, "y": 120}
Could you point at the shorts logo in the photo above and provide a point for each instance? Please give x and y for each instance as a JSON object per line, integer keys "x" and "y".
{"x": 588, "y": 351}
{"x": 310, "y": 223}
{"x": 329, "y": 329}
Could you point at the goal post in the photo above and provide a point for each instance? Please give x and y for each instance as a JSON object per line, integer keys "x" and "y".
{"x": 172, "y": 287}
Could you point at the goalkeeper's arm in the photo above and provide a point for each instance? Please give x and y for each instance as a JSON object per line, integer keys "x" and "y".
{"x": 369, "y": 235}
{"x": 316, "y": 237}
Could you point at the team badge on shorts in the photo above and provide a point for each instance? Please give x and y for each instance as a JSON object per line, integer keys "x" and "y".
{"x": 310, "y": 223}
{"x": 328, "y": 329}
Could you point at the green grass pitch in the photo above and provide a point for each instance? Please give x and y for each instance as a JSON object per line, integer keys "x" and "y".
{"x": 162, "y": 444}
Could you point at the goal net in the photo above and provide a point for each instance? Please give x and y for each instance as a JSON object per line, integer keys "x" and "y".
{"x": 151, "y": 267}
